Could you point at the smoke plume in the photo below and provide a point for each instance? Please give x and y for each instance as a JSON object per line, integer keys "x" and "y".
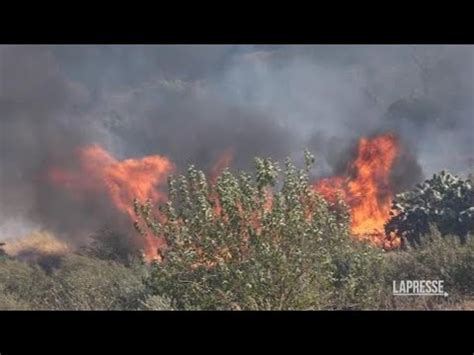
{"x": 192, "y": 103}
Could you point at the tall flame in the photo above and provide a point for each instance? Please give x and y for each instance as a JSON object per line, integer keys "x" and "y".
{"x": 223, "y": 161}
{"x": 366, "y": 188}
{"x": 123, "y": 181}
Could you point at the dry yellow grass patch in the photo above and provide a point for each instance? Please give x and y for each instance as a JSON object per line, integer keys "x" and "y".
{"x": 38, "y": 242}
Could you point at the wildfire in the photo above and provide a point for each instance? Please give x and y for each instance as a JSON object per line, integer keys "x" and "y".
{"x": 366, "y": 188}
{"x": 223, "y": 161}
{"x": 123, "y": 181}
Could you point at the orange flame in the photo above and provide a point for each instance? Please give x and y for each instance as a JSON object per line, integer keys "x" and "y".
{"x": 223, "y": 161}
{"x": 123, "y": 181}
{"x": 367, "y": 189}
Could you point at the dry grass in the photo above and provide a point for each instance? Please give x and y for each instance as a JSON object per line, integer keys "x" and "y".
{"x": 428, "y": 304}
{"x": 38, "y": 242}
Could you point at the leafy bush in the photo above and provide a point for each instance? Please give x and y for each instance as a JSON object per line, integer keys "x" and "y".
{"x": 445, "y": 201}
{"x": 258, "y": 242}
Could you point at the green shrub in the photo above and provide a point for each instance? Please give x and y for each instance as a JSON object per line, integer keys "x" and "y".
{"x": 266, "y": 241}
{"x": 445, "y": 201}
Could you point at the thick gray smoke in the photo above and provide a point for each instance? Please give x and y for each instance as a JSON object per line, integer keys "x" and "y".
{"x": 191, "y": 103}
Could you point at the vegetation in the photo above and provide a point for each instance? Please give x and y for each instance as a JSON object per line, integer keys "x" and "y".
{"x": 112, "y": 246}
{"x": 445, "y": 201}
{"x": 435, "y": 258}
{"x": 246, "y": 244}
{"x": 79, "y": 283}
{"x": 438, "y": 258}
{"x": 252, "y": 242}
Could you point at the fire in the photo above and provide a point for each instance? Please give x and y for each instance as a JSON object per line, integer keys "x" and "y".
{"x": 123, "y": 181}
{"x": 331, "y": 187}
{"x": 370, "y": 190}
{"x": 223, "y": 161}
{"x": 366, "y": 188}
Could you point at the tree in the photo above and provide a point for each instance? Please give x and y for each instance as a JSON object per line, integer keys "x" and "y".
{"x": 266, "y": 241}
{"x": 445, "y": 201}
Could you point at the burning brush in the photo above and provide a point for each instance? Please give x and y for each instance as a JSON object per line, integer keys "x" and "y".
{"x": 365, "y": 187}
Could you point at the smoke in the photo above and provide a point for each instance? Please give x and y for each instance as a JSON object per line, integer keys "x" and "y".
{"x": 191, "y": 103}
{"x": 41, "y": 121}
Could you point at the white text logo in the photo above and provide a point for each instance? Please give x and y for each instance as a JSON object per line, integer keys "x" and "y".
{"x": 419, "y": 288}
